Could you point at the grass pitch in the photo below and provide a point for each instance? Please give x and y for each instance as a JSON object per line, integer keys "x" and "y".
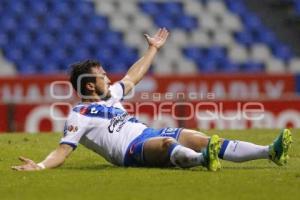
{"x": 85, "y": 175}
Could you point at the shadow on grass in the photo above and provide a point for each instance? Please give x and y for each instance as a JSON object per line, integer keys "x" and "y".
{"x": 114, "y": 167}
{"x": 92, "y": 167}
{"x": 195, "y": 169}
{"x": 251, "y": 167}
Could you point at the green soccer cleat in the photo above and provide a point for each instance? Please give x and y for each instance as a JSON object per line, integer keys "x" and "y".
{"x": 278, "y": 150}
{"x": 212, "y": 162}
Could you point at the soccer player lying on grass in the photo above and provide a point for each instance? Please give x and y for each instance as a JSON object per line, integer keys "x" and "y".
{"x": 101, "y": 124}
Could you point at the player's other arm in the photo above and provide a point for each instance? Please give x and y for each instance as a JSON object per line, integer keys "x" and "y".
{"x": 140, "y": 68}
{"x": 54, "y": 159}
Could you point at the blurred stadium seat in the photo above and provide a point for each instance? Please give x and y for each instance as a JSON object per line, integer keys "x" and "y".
{"x": 45, "y": 36}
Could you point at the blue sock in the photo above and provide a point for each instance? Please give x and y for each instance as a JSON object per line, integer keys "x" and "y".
{"x": 223, "y": 148}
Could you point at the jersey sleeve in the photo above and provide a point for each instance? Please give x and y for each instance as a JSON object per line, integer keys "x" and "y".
{"x": 117, "y": 90}
{"x": 75, "y": 128}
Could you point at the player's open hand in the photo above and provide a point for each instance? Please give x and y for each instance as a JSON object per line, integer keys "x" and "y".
{"x": 159, "y": 38}
{"x": 28, "y": 165}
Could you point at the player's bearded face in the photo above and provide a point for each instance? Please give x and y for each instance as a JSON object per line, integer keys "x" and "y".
{"x": 102, "y": 84}
{"x": 102, "y": 91}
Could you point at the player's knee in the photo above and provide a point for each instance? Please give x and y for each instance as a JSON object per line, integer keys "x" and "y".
{"x": 167, "y": 143}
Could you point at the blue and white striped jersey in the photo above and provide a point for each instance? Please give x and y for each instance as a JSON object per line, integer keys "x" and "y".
{"x": 104, "y": 127}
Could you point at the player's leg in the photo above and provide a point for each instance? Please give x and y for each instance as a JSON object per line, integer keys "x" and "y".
{"x": 157, "y": 150}
{"x": 165, "y": 151}
{"x": 195, "y": 140}
{"x": 240, "y": 151}
{"x": 231, "y": 150}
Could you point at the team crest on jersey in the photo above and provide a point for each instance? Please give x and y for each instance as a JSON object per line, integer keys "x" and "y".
{"x": 72, "y": 128}
{"x": 169, "y": 131}
{"x": 83, "y": 110}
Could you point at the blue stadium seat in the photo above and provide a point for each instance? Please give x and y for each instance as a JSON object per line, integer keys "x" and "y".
{"x": 57, "y": 54}
{"x": 46, "y": 38}
{"x": 27, "y": 68}
{"x": 53, "y": 30}
{"x": 112, "y": 38}
{"x": 85, "y": 8}
{"x": 105, "y": 54}
{"x": 216, "y": 53}
{"x": 236, "y": 6}
{"x": 170, "y": 15}
{"x": 251, "y": 21}
{"x": 149, "y": 7}
{"x": 8, "y": 23}
{"x": 90, "y": 38}
{"x": 55, "y": 23}
{"x": 227, "y": 66}
{"x": 24, "y": 39}
{"x": 3, "y": 7}
{"x": 3, "y": 39}
{"x": 16, "y": 7}
{"x": 36, "y": 53}
{"x": 98, "y": 24}
{"x": 81, "y": 53}
{"x": 67, "y": 39}
{"x": 172, "y": 8}
{"x": 38, "y": 7}
{"x": 61, "y": 8}
{"x": 207, "y": 66}
{"x": 193, "y": 53}
{"x": 14, "y": 53}
{"x": 282, "y": 52}
{"x": 266, "y": 36}
{"x": 164, "y": 20}
{"x": 49, "y": 67}
{"x": 127, "y": 54}
{"x": 31, "y": 23}
{"x": 74, "y": 23}
{"x": 297, "y": 7}
{"x": 187, "y": 23}
{"x": 116, "y": 66}
{"x": 252, "y": 66}
{"x": 245, "y": 38}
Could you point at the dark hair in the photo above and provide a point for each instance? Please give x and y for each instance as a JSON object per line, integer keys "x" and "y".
{"x": 80, "y": 68}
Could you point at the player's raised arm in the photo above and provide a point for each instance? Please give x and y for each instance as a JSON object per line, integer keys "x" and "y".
{"x": 54, "y": 159}
{"x": 140, "y": 68}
